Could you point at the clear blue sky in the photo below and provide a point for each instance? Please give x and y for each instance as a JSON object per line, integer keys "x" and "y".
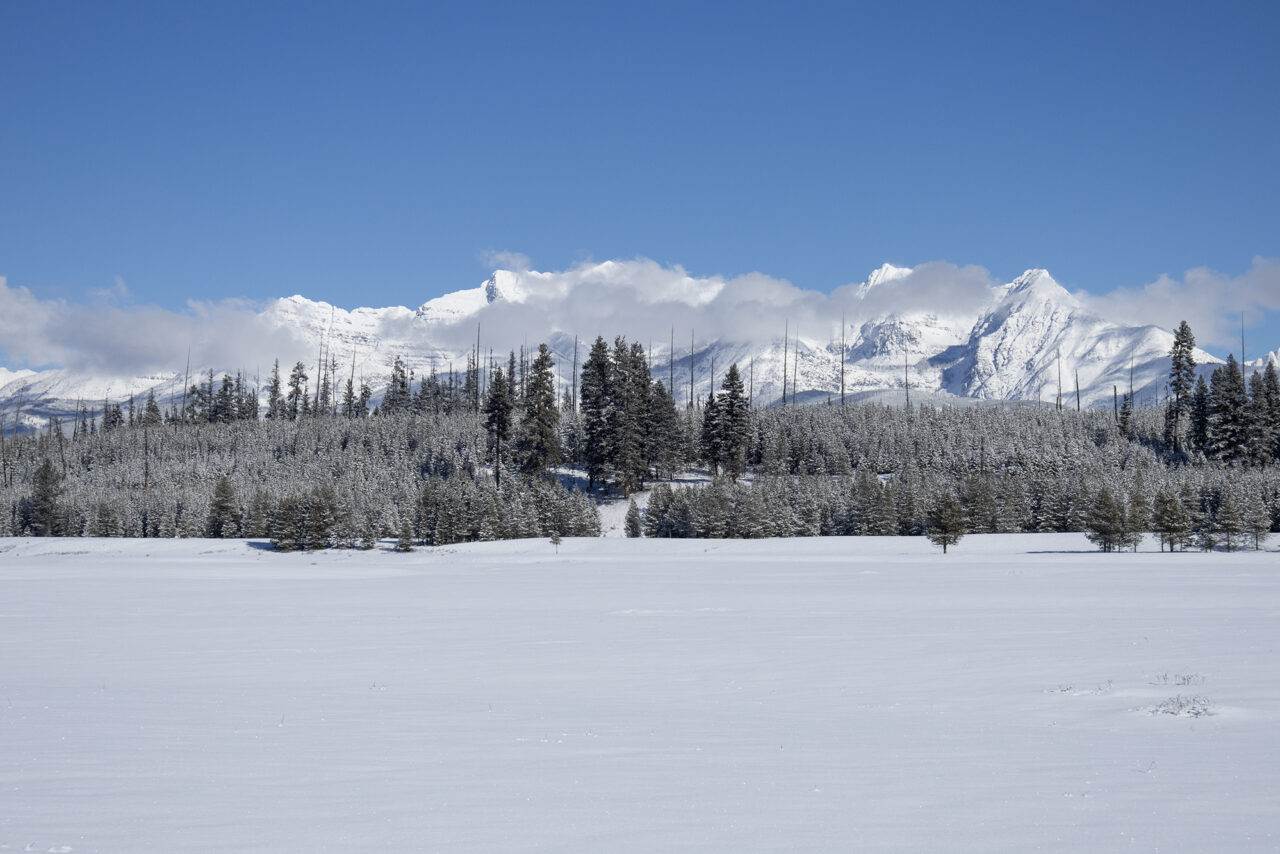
{"x": 374, "y": 153}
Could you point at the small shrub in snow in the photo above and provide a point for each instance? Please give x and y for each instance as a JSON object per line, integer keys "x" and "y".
{"x": 1183, "y": 707}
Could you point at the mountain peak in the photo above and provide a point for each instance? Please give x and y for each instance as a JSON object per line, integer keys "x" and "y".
{"x": 504, "y": 286}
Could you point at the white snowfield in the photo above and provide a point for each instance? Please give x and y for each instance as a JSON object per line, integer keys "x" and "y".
{"x": 1023, "y": 693}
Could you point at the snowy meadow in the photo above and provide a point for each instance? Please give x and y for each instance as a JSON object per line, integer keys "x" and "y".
{"x": 1024, "y": 693}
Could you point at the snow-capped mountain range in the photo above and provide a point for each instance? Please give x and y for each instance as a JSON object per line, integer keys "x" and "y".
{"x": 1028, "y": 340}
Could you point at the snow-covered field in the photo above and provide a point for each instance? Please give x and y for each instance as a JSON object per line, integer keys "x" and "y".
{"x": 842, "y": 695}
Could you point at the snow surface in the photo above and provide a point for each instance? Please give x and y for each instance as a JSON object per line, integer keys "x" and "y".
{"x": 841, "y": 695}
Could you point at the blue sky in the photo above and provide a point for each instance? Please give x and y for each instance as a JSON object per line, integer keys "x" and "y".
{"x": 381, "y": 153}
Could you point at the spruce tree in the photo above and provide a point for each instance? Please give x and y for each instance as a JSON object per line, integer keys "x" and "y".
{"x": 498, "y": 407}
{"x": 632, "y": 525}
{"x": 1170, "y": 521}
{"x": 538, "y": 445}
{"x": 594, "y": 405}
{"x": 45, "y": 511}
{"x": 945, "y": 523}
{"x": 1198, "y": 428}
{"x": 709, "y": 442}
{"x": 1229, "y": 523}
{"x": 1182, "y": 370}
{"x": 224, "y": 512}
{"x": 296, "y": 401}
{"x": 734, "y": 423}
{"x": 275, "y": 395}
{"x": 666, "y": 433}
{"x": 1228, "y": 438}
{"x": 1105, "y": 526}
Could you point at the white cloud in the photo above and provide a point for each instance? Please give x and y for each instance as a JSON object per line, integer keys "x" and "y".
{"x": 1210, "y": 301}
{"x": 503, "y": 260}
{"x": 135, "y": 339}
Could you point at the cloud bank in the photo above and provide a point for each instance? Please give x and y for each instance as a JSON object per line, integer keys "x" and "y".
{"x": 1211, "y": 302}
{"x": 638, "y": 298}
{"x": 104, "y": 338}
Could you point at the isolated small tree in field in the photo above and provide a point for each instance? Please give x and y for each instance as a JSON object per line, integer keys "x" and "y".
{"x": 946, "y": 523}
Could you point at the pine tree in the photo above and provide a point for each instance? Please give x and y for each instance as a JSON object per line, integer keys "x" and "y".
{"x": 734, "y": 423}
{"x": 1198, "y": 429}
{"x": 594, "y": 404}
{"x": 1259, "y": 432}
{"x": 1170, "y": 521}
{"x": 224, "y": 512}
{"x": 1105, "y": 526}
{"x": 45, "y": 511}
{"x": 397, "y": 397}
{"x": 275, "y": 397}
{"x": 1228, "y": 429}
{"x": 1229, "y": 523}
{"x": 945, "y": 523}
{"x": 709, "y": 447}
{"x": 1257, "y": 521}
{"x": 1182, "y": 369}
{"x": 296, "y": 401}
{"x": 628, "y": 415}
{"x": 498, "y": 407}
{"x": 404, "y": 541}
{"x": 666, "y": 439}
{"x": 538, "y": 445}
{"x": 288, "y": 532}
{"x": 632, "y": 526}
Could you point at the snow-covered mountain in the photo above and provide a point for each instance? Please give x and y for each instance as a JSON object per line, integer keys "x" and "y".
{"x": 1028, "y": 340}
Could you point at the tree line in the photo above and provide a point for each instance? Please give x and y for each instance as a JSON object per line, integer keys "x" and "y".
{"x": 498, "y": 455}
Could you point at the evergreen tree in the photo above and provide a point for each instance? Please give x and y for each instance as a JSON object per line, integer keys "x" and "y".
{"x": 733, "y": 423}
{"x": 1182, "y": 369}
{"x": 1259, "y": 431}
{"x": 1271, "y": 400}
{"x": 288, "y": 531}
{"x": 1227, "y": 429}
{"x": 1229, "y": 523}
{"x": 224, "y": 512}
{"x": 151, "y": 410}
{"x": 538, "y": 445}
{"x": 323, "y": 515}
{"x": 404, "y": 542}
{"x": 1257, "y": 521}
{"x": 594, "y": 404}
{"x": 1105, "y": 526}
{"x": 275, "y": 397}
{"x": 45, "y": 513}
{"x": 1198, "y": 429}
{"x": 1170, "y": 521}
{"x": 945, "y": 523}
{"x": 498, "y": 407}
{"x": 296, "y": 401}
{"x": 709, "y": 442}
{"x": 632, "y": 525}
{"x": 397, "y": 397}
{"x": 666, "y": 439}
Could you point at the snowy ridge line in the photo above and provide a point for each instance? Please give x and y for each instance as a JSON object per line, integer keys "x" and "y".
{"x": 1028, "y": 340}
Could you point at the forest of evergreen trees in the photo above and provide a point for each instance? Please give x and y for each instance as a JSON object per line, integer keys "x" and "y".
{"x": 496, "y": 455}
